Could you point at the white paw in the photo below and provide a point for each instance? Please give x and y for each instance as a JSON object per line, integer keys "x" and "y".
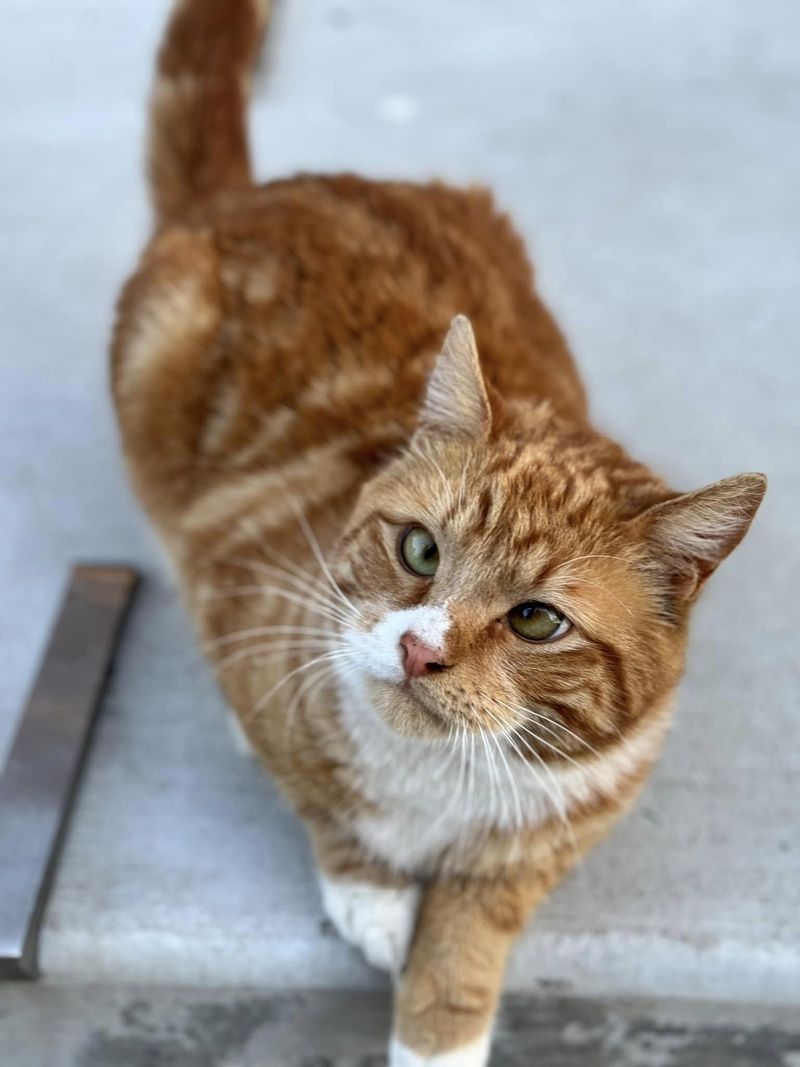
{"x": 378, "y": 920}
{"x": 476, "y": 1054}
{"x": 241, "y": 742}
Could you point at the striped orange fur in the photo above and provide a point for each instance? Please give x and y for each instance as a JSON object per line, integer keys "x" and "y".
{"x": 293, "y": 399}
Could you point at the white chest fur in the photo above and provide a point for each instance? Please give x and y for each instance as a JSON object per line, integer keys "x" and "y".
{"x": 430, "y": 797}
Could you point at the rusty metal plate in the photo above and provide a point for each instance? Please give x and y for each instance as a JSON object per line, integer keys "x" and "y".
{"x": 38, "y": 782}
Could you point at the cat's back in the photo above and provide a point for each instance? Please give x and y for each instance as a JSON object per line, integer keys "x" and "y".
{"x": 338, "y": 273}
{"x": 287, "y": 316}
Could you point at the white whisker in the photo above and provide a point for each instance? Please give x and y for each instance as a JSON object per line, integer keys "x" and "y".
{"x": 333, "y": 655}
{"x": 286, "y": 564}
{"x": 265, "y": 631}
{"x": 596, "y": 585}
{"x": 266, "y": 651}
{"x": 543, "y": 741}
{"x": 307, "y": 687}
{"x": 315, "y": 591}
{"x": 470, "y": 797}
{"x": 419, "y": 452}
{"x": 496, "y": 796}
{"x": 312, "y": 598}
{"x": 457, "y": 748}
{"x": 542, "y": 719}
{"x": 520, "y": 819}
{"x": 535, "y": 713}
{"x": 232, "y": 591}
{"x": 334, "y": 614}
{"x": 463, "y": 774}
{"x": 556, "y": 794}
{"x": 314, "y": 544}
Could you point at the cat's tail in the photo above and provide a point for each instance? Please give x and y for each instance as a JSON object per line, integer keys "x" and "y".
{"x": 198, "y": 134}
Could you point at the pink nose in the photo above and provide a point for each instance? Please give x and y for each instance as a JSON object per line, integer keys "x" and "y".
{"x": 419, "y": 658}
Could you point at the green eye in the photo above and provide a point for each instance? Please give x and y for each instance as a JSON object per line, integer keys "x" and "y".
{"x": 537, "y": 622}
{"x": 418, "y": 551}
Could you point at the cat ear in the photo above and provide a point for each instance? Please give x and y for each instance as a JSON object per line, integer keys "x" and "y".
{"x": 456, "y": 400}
{"x": 692, "y": 534}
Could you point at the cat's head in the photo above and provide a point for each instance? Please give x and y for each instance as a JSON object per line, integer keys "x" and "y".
{"x": 519, "y": 573}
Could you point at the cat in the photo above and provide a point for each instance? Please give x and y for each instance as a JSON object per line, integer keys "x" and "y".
{"x": 449, "y": 615}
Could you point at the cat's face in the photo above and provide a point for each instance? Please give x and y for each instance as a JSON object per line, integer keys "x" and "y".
{"x": 499, "y": 591}
{"x": 528, "y": 580}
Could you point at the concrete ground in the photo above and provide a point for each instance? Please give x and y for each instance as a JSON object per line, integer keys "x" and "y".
{"x": 69, "y": 1026}
{"x": 650, "y": 154}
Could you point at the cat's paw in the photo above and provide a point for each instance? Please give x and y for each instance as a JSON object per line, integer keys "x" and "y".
{"x": 376, "y": 919}
{"x": 476, "y": 1054}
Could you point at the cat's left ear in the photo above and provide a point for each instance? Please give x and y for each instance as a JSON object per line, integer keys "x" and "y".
{"x": 690, "y": 535}
{"x": 455, "y": 401}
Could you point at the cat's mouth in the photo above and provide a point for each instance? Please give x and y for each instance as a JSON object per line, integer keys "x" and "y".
{"x": 407, "y": 710}
{"x": 429, "y": 709}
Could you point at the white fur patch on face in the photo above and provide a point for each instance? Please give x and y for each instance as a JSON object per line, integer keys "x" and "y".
{"x": 378, "y": 920}
{"x": 476, "y": 1054}
{"x": 378, "y": 651}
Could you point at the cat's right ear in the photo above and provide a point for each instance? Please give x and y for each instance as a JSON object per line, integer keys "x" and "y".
{"x": 690, "y": 535}
{"x": 455, "y": 401}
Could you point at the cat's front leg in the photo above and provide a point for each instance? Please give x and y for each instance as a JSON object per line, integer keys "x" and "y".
{"x": 371, "y": 906}
{"x": 448, "y": 994}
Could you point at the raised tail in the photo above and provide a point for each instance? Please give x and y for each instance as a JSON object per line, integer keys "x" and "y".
{"x": 198, "y": 132}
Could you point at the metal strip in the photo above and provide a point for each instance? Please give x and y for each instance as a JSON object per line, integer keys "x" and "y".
{"x": 39, "y": 779}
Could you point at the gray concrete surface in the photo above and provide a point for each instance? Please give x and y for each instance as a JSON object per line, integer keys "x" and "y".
{"x": 650, "y": 154}
{"x": 76, "y": 1026}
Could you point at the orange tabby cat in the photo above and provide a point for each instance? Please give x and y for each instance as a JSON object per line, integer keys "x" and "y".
{"x": 448, "y": 613}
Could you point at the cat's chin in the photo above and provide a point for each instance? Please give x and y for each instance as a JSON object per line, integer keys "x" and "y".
{"x": 406, "y": 713}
